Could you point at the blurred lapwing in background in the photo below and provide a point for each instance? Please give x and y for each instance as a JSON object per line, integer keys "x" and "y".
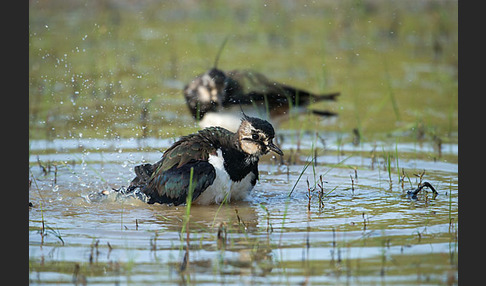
{"x": 216, "y": 97}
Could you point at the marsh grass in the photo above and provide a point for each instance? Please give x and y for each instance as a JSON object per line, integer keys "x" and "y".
{"x": 93, "y": 79}
{"x": 387, "y": 158}
{"x": 284, "y": 219}
{"x": 269, "y": 227}
{"x": 240, "y": 221}
{"x": 187, "y": 217}
{"x": 390, "y": 89}
{"x": 397, "y": 166}
{"x": 307, "y": 164}
{"x": 45, "y": 229}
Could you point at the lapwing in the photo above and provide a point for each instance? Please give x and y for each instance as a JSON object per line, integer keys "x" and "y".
{"x": 215, "y": 97}
{"x": 224, "y": 165}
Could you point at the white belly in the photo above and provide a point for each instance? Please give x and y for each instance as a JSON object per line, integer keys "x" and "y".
{"x": 223, "y": 189}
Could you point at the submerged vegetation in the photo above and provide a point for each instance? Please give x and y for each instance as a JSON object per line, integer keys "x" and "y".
{"x": 368, "y": 197}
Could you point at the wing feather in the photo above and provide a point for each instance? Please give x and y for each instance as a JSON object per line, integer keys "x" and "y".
{"x": 169, "y": 178}
{"x": 172, "y": 186}
{"x": 167, "y": 181}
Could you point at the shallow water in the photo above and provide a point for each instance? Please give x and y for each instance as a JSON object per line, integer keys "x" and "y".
{"x": 365, "y": 232}
{"x": 105, "y": 80}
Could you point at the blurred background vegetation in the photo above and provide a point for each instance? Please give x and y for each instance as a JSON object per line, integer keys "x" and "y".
{"x": 108, "y": 69}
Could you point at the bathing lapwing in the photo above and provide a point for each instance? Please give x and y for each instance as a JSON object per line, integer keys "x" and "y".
{"x": 225, "y": 165}
{"x": 216, "y": 96}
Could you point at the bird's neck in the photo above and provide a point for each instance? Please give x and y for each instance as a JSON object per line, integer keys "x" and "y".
{"x": 236, "y": 162}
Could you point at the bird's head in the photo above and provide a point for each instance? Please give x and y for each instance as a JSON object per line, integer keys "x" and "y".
{"x": 214, "y": 82}
{"x": 206, "y": 94}
{"x": 256, "y": 136}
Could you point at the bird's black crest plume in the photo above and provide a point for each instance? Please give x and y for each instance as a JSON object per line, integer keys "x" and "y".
{"x": 219, "y": 51}
{"x": 242, "y": 112}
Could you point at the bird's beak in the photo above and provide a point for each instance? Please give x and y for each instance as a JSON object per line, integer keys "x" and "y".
{"x": 275, "y": 149}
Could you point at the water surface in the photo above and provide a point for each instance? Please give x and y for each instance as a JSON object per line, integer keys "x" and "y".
{"x": 365, "y": 231}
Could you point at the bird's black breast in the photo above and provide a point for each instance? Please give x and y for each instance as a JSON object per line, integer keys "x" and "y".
{"x": 238, "y": 164}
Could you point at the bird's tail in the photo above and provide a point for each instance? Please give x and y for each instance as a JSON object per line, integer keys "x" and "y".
{"x": 134, "y": 191}
{"x": 314, "y": 98}
{"x": 136, "y": 188}
{"x": 322, "y": 97}
{"x": 324, "y": 113}
{"x": 303, "y": 97}
{"x": 326, "y": 96}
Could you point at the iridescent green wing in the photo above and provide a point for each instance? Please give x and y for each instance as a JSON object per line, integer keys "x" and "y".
{"x": 169, "y": 183}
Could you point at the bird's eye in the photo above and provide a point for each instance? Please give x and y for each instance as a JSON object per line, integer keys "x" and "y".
{"x": 255, "y": 136}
